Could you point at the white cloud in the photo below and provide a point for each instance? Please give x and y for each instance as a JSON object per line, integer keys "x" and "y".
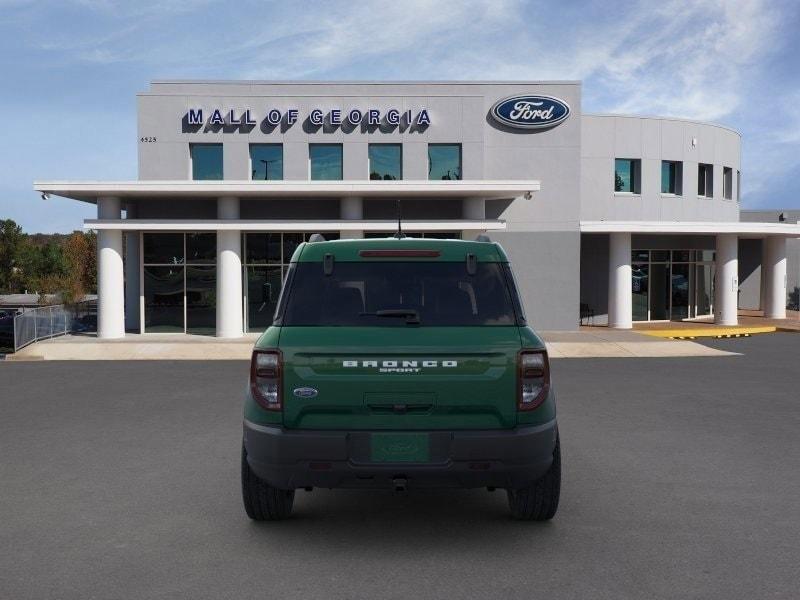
{"x": 353, "y": 32}
{"x": 691, "y": 59}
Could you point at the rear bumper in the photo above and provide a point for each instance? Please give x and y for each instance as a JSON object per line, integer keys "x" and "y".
{"x": 290, "y": 459}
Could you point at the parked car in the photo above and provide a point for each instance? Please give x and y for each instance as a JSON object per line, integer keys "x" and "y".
{"x": 398, "y": 364}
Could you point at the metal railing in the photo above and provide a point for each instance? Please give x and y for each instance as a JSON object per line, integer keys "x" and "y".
{"x": 46, "y": 322}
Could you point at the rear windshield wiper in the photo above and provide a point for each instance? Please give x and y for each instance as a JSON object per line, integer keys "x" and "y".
{"x": 411, "y": 315}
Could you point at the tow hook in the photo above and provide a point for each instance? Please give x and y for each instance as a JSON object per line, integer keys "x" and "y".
{"x": 400, "y": 484}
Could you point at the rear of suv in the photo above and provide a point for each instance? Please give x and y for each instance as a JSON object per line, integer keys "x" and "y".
{"x": 399, "y": 364}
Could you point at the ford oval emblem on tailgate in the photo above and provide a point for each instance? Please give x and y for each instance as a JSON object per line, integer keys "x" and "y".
{"x": 305, "y": 392}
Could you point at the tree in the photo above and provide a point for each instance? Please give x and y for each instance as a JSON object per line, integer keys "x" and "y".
{"x": 618, "y": 182}
{"x": 60, "y": 268}
{"x": 80, "y": 254}
{"x": 12, "y": 240}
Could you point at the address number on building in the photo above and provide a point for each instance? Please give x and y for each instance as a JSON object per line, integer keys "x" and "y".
{"x": 147, "y": 139}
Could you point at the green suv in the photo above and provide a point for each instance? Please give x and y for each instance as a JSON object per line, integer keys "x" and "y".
{"x": 400, "y": 363}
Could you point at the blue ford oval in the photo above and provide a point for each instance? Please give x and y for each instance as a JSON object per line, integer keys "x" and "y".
{"x": 530, "y": 112}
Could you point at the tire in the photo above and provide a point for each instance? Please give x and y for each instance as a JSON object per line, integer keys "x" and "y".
{"x": 262, "y": 502}
{"x": 539, "y": 501}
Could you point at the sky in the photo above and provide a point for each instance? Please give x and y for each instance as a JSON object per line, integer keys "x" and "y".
{"x": 70, "y": 70}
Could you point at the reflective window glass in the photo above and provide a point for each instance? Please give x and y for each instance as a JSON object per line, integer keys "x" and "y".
{"x": 206, "y": 161}
{"x": 727, "y": 183}
{"x": 639, "y": 288}
{"x": 626, "y": 175}
{"x": 659, "y": 255}
{"x": 659, "y": 292}
{"x": 325, "y": 161}
{"x": 704, "y": 289}
{"x": 263, "y": 286}
{"x": 444, "y": 161}
{"x": 385, "y": 161}
{"x": 163, "y": 248}
{"x": 290, "y": 243}
{"x": 201, "y": 248}
{"x": 201, "y": 300}
{"x": 671, "y": 176}
{"x": 266, "y": 162}
{"x": 263, "y": 248}
{"x": 682, "y": 255}
{"x": 640, "y": 255}
{"x": 705, "y": 180}
{"x": 163, "y": 299}
{"x": 679, "y": 289}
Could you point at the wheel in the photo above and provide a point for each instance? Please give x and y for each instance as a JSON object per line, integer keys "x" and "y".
{"x": 539, "y": 501}
{"x": 262, "y": 502}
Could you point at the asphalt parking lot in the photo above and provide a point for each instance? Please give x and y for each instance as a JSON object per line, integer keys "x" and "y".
{"x": 681, "y": 480}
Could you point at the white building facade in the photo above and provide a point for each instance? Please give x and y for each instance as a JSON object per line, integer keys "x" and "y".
{"x": 611, "y": 218}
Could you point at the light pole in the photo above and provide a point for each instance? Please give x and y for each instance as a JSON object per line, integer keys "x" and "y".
{"x": 266, "y": 167}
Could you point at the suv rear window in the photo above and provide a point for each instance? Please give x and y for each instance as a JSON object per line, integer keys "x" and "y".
{"x": 392, "y": 294}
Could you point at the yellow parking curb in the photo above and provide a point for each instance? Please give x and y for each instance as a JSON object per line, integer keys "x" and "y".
{"x": 690, "y": 333}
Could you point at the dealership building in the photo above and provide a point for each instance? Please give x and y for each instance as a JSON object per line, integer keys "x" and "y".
{"x": 613, "y": 218}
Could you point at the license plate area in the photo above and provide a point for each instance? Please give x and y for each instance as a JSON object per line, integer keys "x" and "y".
{"x": 393, "y": 447}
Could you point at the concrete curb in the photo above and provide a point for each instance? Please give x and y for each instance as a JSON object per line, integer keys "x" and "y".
{"x": 690, "y": 333}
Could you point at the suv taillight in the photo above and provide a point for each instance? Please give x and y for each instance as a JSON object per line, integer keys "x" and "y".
{"x": 533, "y": 379}
{"x": 265, "y": 378}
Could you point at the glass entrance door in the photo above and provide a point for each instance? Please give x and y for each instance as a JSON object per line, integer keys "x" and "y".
{"x": 703, "y": 289}
{"x": 681, "y": 285}
{"x": 659, "y": 291}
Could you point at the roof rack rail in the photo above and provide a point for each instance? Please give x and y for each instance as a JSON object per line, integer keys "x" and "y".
{"x": 482, "y": 237}
{"x": 316, "y": 237}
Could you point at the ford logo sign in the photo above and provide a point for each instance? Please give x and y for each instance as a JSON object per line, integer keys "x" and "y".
{"x": 530, "y": 112}
{"x": 305, "y": 392}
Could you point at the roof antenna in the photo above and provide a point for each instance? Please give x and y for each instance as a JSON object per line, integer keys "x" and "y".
{"x": 399, "y": 233}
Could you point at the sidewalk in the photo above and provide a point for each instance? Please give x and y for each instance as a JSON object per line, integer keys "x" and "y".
{"x": 602, "y": 342}
{"x": 594, "y": 342}
{"x": 152, "y": 346}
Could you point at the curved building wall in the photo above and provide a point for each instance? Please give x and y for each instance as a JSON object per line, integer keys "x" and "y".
{"x": 651, "y": 140}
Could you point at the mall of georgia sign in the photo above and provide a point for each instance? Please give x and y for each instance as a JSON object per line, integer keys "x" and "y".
{"x": 530, "y": 112}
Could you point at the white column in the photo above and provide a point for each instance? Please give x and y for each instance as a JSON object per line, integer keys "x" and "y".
{"x": 474, "y": 209}
{"x": 726, "y": 284}
{"x": 352, "y": 209}
{"x": 131, "y": 274}
{"x": 229, "y": 273}
{"x": 110, "y": 278}
{"x": 620, "y": 297}
{"x": 774, "y": 270}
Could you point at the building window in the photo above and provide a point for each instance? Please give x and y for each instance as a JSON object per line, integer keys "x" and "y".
{"x": 266, "y": 260}
{"x": 266, "y": 162}
{"x": 727, "y": 183}
{"x": 180, "y": 282}
{"x": 206, "y": 161}
{"x": 385, "y": 161}
{"x": 444, "y": 161}
{"x": 705, "y": 180}
{"x": 325, "y": 161}
{"x": 671, "y": 177}
{"x": 627, "y": 175}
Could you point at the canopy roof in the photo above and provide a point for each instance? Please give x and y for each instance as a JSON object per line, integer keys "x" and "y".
{"x": 89, "y": 191}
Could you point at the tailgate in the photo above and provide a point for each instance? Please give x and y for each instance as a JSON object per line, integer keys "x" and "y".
{"x": 399, "y": 378}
